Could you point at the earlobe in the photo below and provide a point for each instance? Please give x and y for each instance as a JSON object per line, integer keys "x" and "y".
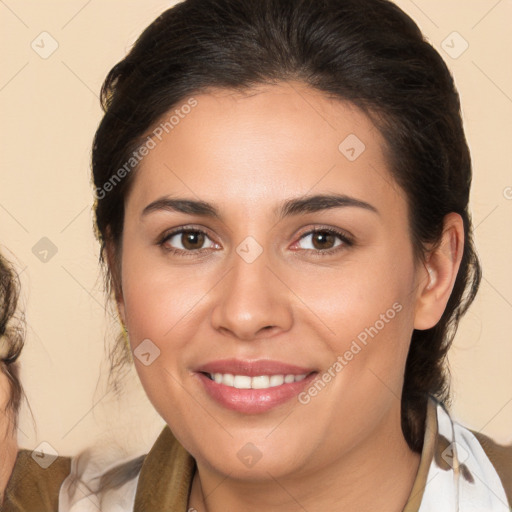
{"x": 436, "y": 277}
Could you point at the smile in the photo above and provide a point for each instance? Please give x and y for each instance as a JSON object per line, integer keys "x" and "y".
{"x": 257, "y": 382}
{"x": 252, "y": 387}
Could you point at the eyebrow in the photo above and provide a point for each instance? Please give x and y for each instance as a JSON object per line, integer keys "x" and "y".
{"x": 290, "y": 207}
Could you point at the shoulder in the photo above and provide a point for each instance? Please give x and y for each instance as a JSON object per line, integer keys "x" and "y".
{"x": 35, "y": 482}
{"x": 467, "y": 469}
{"x": 157, "y": 480}
{"x": 501, "y": 458}
{"x": 165, "y": 477}
{"x": 100, "y": 479}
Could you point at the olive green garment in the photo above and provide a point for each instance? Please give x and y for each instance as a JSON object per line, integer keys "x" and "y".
{"x": 32, "y": 488}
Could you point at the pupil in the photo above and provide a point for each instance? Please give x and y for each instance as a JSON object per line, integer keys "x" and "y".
{"x": 193, "y": 239}
{"x": 322, "y": 237}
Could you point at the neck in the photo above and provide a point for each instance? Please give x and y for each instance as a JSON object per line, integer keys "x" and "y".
{"x": 376, "y": 475}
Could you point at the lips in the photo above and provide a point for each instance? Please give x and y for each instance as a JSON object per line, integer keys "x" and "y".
{"x": 253, "y": 387}
{"x": 253, "y": 368}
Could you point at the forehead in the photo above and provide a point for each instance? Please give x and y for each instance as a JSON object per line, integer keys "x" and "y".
{"x": 254, "y": 148}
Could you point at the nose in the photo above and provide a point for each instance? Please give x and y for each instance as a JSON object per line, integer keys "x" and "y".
{"x": 252, "y": 301}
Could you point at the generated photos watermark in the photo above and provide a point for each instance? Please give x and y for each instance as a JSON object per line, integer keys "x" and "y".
{"x": 357, "y": 345}
{"x": 144, "y": 149}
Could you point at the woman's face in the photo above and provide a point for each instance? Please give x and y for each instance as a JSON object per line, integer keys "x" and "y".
{"x": 8, "y": 441}
{"x": 269, "y": 349}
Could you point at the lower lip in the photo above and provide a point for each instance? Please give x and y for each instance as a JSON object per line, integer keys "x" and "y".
{"x": 253, "y": 401}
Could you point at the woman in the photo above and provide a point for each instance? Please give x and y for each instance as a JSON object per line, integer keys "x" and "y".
{"x": 29, "y": 480}
{"x": 282, "y": 201}
{"x": 11, "y": 343}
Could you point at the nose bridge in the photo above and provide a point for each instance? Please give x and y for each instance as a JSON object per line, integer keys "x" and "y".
{"x": 251, "y": 300}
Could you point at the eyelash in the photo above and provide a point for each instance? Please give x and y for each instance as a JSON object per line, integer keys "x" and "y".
{"x": 344, "y": 237}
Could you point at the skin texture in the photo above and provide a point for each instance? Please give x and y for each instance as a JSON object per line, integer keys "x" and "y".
{"x": 8, "y": 441}
{"x": 247, "y": 153}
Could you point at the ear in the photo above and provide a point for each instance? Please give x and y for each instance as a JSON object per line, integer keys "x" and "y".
{"x": 114, "y": 267}
{"x": 436, "y": 276}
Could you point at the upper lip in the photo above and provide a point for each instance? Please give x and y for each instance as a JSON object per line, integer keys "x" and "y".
{"x": 253, "y": 368}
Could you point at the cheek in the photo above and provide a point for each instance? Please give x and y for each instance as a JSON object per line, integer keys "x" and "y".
{"x": 5, "y": 391}
{"x": 366, "y": 290}
{"x": 369, "y": 309}
{"x": 7, "y": 435}
{"x": 157, "y": 297}
{"x": 157, "y": 305}
{"x": 163, "y": 302}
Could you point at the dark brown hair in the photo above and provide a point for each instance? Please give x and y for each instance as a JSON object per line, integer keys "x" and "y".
{"x": 367, "y": 52}
{"x": 12, "y": 334}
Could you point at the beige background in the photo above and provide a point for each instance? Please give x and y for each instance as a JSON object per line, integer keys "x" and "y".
{"x": 49, "y": 112}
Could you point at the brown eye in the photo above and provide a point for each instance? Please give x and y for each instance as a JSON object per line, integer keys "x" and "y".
{"x": 324, "y": 241}
{"x": 186, "y": 240}
{"x": 192, "y": 240}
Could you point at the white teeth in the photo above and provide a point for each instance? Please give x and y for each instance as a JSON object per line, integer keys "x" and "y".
{"x": 258, "y": 382}
{"x": 228, "y": 379}
{"x": 276, "y": 380}
{"x": 242, "y": 382}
